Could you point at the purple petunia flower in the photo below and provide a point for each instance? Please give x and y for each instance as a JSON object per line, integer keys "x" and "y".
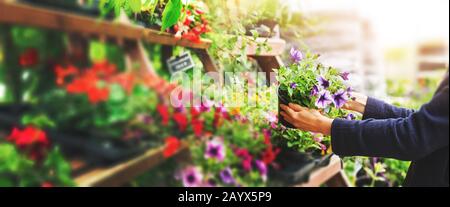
{"x": 215, "y": 149}
{"x": 324, "y": 83}
{"x": 296, "y": 55}
{"x": 262, "y": 168}
{"x": 350, "y": 116}
{"x": 324, "y": 99}
{"x": 340, "y": 98}
{"x": 227, "y": 176}
{"x": 345, "y": 75}
{"x": 192, "y": 177}
{"x": 314, "y": 90}
{"x": 293, "y": 85}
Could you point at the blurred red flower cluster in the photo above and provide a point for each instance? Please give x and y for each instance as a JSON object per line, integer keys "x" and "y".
{"x": 193, "y": 25}
{"x": 92, "y": 81}
{"x": 31, "y": 140}
{"x": 172, "y": 146}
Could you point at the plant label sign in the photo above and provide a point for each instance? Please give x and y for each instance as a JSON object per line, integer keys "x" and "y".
{"x": 180, "y": 63}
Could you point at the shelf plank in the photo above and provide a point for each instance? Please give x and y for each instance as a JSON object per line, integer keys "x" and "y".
{"x": 16, "y": 13}
{"x": 124, "y": 172}
{"x": 322, "y": 175}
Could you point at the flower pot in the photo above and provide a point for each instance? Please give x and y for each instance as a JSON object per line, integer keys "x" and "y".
{"x": 143, "y": 20}
{"x": 10, "y": 115}
{"x": 98, "y": 150}
{"x": 266, "y": 28}
{"x": 283, "y": 100}
{"x": 295, "y": 167}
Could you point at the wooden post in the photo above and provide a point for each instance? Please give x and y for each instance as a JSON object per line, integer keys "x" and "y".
{"x": 268, "y": 64}
{"x": 136, "y": 57}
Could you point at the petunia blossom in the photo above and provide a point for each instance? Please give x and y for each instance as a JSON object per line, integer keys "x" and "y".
{"x": 314, "y": 91}
{"x": 340, "y": 98}
{"x": 324, "y": 99}
{"x": 345, "y": 75}
{"x": 350, "y": 116}
{"x": 215, "y": 149}
{"x": 296, "y": 55}
{"x": 226, "y": 176}
{"x": 324, "y": 83}
{"x": 191, "y": 177}
{"x": 262, "y": 168}
{"x": 293, "y": 85}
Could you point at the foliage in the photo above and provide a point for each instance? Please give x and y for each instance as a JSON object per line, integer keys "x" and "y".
{"x": 21, "y": 167}
{"x": 310, "y": 84}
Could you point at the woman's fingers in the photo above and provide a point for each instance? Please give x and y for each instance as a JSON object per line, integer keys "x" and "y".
{"x": 296, "y": 107}
{"x": 287, "y": 117}
{"x": 288, "y": 110}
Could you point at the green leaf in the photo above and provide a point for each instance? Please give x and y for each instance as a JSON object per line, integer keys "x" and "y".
{"x": 135, "y": 5}
{"x": 171, "y": 14}
{"x": 97, "y": 51}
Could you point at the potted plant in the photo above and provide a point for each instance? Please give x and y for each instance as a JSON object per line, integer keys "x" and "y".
{"x": 310, "y": 84}
{"x": 235, "y": 155}
{"x": 27, "y": 159}
{"x": 102, "y": 108}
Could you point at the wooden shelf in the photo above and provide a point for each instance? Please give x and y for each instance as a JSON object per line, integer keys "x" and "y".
{"x": 126, "y": 171}
{"x": 331, "y": 172}
{"x": 21, "y": 14}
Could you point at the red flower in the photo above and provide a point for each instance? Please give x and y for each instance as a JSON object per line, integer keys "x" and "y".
{"x": 197, "y": 126}
{"x": 33, "y": 141}
{"x": 181, "y": 120}
{"x": 29, "y": 58}
{"x": 163, "y": 111}
{"x": 103, "y": 69}
{"x": 195, "y": 112}
{"x": 87, "y": 82}
{"x": 172, "y": 146}
{"x": 46, "y": 185}
{"x": 246, "y": 158}
{"x": 96, "y": 95}
{"x": 62, "y": 73}
{"x": 191, "y": 36}
{"x": 269, "y": 155}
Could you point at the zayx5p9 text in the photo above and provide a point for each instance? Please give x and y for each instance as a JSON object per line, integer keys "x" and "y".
{"x": 224, "y": 197}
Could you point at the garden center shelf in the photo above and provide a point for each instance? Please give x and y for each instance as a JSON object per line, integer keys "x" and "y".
{"x": 123, "y": 172}
{"x": 16, "y": 13}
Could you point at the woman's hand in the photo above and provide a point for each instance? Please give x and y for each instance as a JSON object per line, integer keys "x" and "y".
{"x": 358, "y": 104}
{"x": 306, "y": 119}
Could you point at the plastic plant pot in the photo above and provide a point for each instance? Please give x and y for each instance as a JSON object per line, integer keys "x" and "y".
{"x": 282, "y": 100}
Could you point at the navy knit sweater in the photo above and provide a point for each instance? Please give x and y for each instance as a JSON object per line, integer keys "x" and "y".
{"x": 387, "y": 131}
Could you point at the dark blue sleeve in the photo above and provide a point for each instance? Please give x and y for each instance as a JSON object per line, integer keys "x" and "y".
{"x": 376, "y": 109}
{"x": 409, "y": 138}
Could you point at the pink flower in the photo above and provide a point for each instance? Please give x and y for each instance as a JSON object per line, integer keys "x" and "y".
{"x": 192, "y": 177}
{"x": 215, "y": 149}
